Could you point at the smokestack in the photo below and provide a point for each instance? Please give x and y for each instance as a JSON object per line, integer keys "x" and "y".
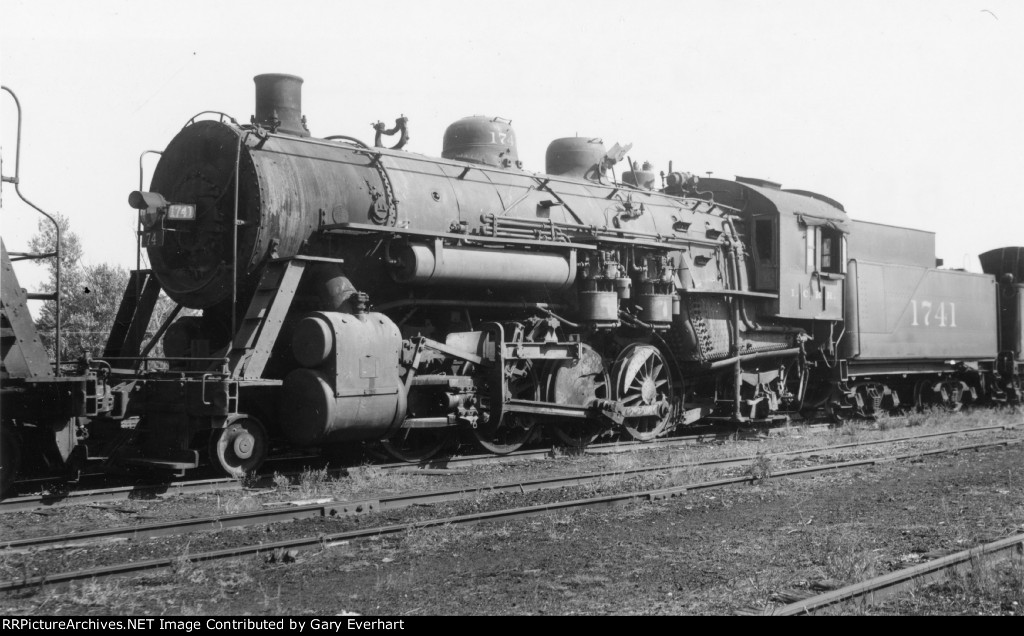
{"x": 279, "y": 104}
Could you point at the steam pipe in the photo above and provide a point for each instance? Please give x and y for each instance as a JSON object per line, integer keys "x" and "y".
{"x": 779, "y": 353}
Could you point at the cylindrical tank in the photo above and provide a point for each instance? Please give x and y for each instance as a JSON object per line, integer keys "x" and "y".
{"x": 279, "y": 103}
{"x": 655, "y": 309}
{"x": 349, "y": 388}
{"x": 578, "y": 157}
{"x": 421, "y": 264}
{"x": 479, "y": 139}
{"x": 599, "y": 307}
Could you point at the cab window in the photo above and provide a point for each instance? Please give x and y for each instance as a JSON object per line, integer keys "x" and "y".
{"x": 832, "y": 251}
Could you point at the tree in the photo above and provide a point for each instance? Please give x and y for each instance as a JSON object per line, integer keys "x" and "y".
{"x": 44, "y": 241}
{"x": 90, "y": 296}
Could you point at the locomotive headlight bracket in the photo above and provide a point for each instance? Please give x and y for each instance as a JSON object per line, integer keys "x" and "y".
{"x": 150, "y": 206}
{"x": 154, "y": 210}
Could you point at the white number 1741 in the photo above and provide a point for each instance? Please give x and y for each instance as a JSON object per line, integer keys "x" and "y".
{"x": 925, "y": 315}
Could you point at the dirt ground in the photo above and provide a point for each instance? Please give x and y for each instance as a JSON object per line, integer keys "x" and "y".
{"x": 715, "y": 552}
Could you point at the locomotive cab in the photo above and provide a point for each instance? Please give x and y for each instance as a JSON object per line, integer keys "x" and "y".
{"x": 797, "y": 246}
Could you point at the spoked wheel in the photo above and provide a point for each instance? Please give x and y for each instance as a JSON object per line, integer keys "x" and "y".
{"x": 514, "y": 429}
{"x": 240, "y": 447}
{"x": 577, "y": 382}
{"x": 10, "y": 458}
{"x": 418, "y": 444}
{"x": 642, "y": 379}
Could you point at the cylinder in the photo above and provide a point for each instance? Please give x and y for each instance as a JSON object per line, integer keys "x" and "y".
{"x": 279, "y": 103}
{"x": 578, "y": 157}
{"x": 655, "y": 308}
{"x": 482, "y": 267}
{"x": 599, "y": 307}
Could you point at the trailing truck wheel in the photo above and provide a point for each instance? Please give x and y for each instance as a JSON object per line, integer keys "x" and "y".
{"x": 240, "y": 447}
{"x": 947, "y": 394}
{"x": 876, "y": 398}
{"x": 10, "y": 458}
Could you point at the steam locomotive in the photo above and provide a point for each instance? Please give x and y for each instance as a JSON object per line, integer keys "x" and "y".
{"x": 344, "y": 294}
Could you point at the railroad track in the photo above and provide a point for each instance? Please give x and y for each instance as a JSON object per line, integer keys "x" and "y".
{"x": 885, "y": 586}
{"x": 218, "y": 484}
{"x": 327, "y": 509}
{"x": 222, "y": 484}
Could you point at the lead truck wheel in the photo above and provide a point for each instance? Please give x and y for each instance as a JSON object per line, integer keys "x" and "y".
{"x": 240, "y": 447}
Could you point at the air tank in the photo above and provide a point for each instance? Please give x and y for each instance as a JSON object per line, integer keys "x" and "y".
{"x": 348, "y": 386}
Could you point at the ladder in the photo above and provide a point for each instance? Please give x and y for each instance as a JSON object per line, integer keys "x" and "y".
{"x": 255, "y": 338}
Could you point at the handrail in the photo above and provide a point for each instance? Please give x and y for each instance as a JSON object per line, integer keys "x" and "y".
{"x": 16, "y": 180}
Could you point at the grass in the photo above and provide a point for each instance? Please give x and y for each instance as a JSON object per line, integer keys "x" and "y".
{"x": 314, "y": 482}
{"x": 419, "y": 541}
{"x": 987, "y": 587}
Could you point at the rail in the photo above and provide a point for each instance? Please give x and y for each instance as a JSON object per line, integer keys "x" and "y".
{"x": 876, "y": 589}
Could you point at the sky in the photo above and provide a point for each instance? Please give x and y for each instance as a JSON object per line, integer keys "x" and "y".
{"x": 908, "y": 112}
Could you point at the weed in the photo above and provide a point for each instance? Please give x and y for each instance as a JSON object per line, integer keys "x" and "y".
{"x": 847, "y": 563}
{"x": 94, "y": 593}
{"x": 281, "y": 482}
{"x": 245, "y": 503}
{"x": 390, "y": 577}
{"x": 761, "y": 468}
{"x": 313, "y": 482}
{"x": 268, "y": 599}
{"x": 371, "y": 478}
{"x": 433, "y": 539}
{"x": 250, "y": 480}
{"x": 558, "y": 525}
{"x": 187, "y": 571}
